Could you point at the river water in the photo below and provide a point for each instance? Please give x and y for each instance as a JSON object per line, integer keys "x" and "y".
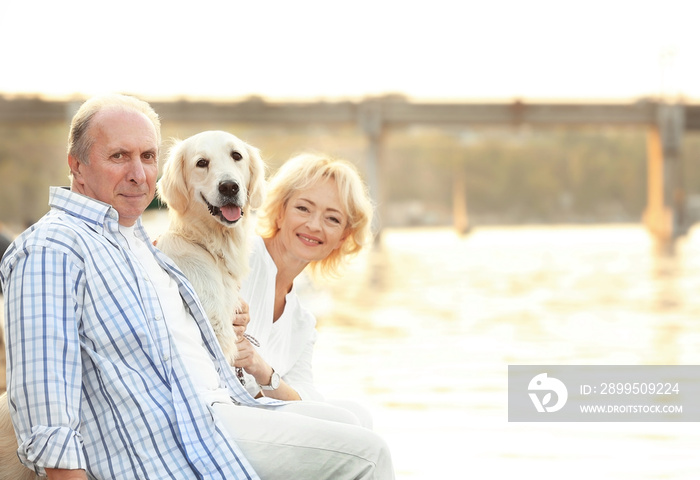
{"x": 422, "y": 328}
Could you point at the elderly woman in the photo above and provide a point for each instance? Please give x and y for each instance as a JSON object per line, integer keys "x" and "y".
{"x": 317, "y": 214}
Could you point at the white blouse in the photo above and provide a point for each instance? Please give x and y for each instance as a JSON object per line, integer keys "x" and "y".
{"x": 286, "y": 345}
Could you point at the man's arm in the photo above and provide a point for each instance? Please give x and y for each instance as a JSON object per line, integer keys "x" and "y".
{"x": 43, "y": 352}
{"x": 61, "y": 474}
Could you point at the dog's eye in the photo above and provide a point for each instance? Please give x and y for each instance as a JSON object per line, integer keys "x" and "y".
{"x": 202, "y": 163}
{"x": 236, "y": 156}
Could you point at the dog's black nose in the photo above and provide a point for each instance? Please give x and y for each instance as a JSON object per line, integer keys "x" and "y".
{"x": 228, "y": 189}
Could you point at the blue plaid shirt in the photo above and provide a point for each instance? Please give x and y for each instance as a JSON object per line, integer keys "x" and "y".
{"x": 94, "y": 379}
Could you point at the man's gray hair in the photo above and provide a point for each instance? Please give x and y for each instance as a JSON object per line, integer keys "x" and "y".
{"x": 79, "y": 142}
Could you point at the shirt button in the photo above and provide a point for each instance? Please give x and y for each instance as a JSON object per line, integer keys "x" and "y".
{"x": 158, "y": 318}
{"x": 166, "y": 358}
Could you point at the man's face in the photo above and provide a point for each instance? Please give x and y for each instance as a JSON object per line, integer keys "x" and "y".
{"x": 123, "y": 165}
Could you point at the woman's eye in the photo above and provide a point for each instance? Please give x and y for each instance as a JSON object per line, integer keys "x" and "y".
{"x": 334, "y": 220}
{"x": 202, "y": 163}
{"x": 236, "y": 156}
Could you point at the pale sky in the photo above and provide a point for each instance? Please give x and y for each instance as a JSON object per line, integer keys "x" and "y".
{"x": 311, "y": 49}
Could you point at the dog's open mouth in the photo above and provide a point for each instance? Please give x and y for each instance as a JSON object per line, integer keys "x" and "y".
{"x": 229, "y": 213}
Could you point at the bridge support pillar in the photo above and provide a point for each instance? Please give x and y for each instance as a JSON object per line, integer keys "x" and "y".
{"x": 371, "y": 121}
{"x": 459, "y": 200}
{"x": 664, "y": 216}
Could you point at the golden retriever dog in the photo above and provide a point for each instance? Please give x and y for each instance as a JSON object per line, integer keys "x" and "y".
{"x": 210, "y": 183}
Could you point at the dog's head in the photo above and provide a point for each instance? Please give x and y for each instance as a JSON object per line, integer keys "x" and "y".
{"x": 216, "y": 172}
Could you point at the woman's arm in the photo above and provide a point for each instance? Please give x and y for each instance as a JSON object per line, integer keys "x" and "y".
{"x": 301, "y": 375}
{"x": 249, "y": 359}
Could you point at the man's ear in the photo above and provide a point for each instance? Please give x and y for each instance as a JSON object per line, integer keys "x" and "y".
{"x": 75, "y": 168}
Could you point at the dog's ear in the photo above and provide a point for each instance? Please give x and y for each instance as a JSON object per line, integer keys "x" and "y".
{"x": 256, "y": 187}
{"x": 173, "y": 184}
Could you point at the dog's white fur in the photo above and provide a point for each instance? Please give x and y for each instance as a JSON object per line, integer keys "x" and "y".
{"x": 211, "y": 252}
{"x": 10, "y": 466}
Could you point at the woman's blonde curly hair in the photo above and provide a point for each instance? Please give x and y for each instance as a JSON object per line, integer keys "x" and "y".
{"x": 304, "y": 171}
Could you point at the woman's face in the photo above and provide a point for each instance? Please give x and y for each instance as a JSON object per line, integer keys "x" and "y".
{"x": 313, "y": 223}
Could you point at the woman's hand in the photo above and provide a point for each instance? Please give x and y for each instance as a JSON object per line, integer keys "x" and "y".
{"x": 250, "y": 360}
{"x": 241, "y": 320}
{"x": 247, "y": 357}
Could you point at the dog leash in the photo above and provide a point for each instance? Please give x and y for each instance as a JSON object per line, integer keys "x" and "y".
{"x": 252, "y": 339}
{"x": 239, "y": 370}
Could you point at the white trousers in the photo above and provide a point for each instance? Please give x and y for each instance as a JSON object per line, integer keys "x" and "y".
{"x": 364, "y": 417}
{"x": 306, "y": 440}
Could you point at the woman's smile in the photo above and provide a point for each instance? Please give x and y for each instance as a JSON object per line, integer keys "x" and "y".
{"x": 309, "y": 240}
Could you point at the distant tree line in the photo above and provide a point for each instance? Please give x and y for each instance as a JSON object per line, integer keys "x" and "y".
{"x": 512, "y": 175}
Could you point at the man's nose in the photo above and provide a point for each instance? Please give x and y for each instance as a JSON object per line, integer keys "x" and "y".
{"x": 137, "y": 173}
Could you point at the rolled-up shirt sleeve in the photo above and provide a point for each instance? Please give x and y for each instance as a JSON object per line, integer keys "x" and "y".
{"x": 44, "y": 356}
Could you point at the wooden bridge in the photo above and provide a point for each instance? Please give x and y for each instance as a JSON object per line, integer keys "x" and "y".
{"x": 665, "y": 124}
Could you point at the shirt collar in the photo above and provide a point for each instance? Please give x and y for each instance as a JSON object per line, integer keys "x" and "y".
{"x": 95, "y": 213}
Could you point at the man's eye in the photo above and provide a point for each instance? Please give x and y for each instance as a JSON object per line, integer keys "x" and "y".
{"x": 236, "y": 156}
{"x": 117, "y": 155}
{"x": 202, "y": 163}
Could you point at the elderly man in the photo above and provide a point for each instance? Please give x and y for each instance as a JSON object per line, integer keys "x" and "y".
{"x": 97, "y": 320}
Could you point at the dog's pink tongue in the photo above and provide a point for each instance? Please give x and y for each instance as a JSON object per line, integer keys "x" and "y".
{"x": 231, "y": 212}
